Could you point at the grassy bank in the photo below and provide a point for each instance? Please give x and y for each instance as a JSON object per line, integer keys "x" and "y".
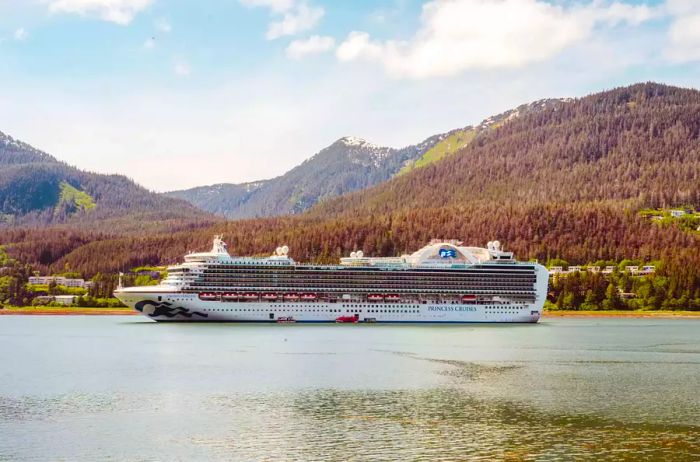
{"x": 622, "y": 314}
{"x": 64, "y": 311}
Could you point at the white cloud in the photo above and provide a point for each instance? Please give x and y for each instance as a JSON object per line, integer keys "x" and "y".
{"x": 163, "y": 25}
{"x": 459, "y": 35}
{"x": 20, "y": 34}
{"x": 278, "y": 6}
{"x": 297, "y": 49}
{"x": 299, "y": 19}
{"x": 684, "y": 32}
{"x": 121, "y": 12}
{"x": 296, "y": 16}
{"x": 181, "y": 68}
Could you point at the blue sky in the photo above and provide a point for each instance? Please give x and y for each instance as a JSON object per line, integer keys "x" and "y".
{"x": 180, "y": 93}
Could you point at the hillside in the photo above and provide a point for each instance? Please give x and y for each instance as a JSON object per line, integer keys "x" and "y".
{"x": 633, "y": 147}
{"x": 349, "y": 164}
{"x": 565, "y": 182}
{"x": 13, "y": 151}
{"x": 346, "y": 165}
{"x": 36, "y": 189}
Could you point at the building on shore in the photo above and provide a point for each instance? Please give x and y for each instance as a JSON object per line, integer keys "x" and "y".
{"x": 60, "y": 281}
{"x": 65, "y": 300}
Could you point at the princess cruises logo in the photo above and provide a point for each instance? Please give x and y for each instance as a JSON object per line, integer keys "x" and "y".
{"x": 448, "y": 253}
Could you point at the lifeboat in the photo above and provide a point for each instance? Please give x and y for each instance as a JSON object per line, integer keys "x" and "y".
{"x": 468, "y": 298}
{"x": 291, "y": 296}
{"x": 207, "y": 296}
{"x": 250, "y": 296}
{"x": 269, "y": 296}
{"x": 230, "y": 296}
{"x": 375, "y": 297}
{"x": 353, "y": 318}
{"x": 392, "y": 297}
{"x": 308, "y": 296}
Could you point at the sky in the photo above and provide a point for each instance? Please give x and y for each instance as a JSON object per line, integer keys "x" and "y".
{"x": 178, "y": 93}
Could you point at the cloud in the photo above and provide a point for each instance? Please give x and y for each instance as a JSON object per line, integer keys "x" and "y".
{"x": 299, "y": 19}
{"x": 278, "y": 6}
{"x": 163, "y": 25}
{"x": 296, "y": 16}
{"x": 20, "y": 34}
{"x": 297, "y": 49}
{"x": 181, "y": 68}
{"x": 460, "y": 35}
{"x": 684, "y": 31}
{"x": 120, "y": 12}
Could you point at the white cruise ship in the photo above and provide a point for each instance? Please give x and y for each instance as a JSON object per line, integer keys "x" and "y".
{"x": 444, "y": 282}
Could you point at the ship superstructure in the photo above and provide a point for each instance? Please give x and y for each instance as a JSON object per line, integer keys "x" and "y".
{"x": 442, "y": 282}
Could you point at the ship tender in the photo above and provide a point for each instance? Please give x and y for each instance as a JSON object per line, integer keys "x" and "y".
{"x": 444, "y": 282}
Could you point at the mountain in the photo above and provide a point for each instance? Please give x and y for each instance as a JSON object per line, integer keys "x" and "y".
{"x": 564, "y": 179}
{"x": 13, "y": 151}
{"x": 37, "y": 189}
{"x": 635, "y": 147}
{"x": 347, "y": 165}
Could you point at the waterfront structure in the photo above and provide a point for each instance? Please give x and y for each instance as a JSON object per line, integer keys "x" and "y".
{"x": 61, "y": 281}
{"x": 65, "y": 300}
{"x": 444, "y": 282}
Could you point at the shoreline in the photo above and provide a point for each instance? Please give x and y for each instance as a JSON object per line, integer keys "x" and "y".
{"x": 92, "y": 311}
{"x": 620, "y": 314}
{"x": 67, "y": 311}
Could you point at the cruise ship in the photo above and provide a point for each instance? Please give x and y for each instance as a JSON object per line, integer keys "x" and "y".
{"x": 444, "y": 282}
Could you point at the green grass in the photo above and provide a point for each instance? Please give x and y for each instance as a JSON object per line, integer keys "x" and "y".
{"x": 449, "y": 145}
{"x": 75, "y": 197}
{"x": 60, "y": 290}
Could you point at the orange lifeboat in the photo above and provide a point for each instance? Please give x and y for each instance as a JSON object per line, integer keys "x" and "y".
{"x": 468, "y": 298}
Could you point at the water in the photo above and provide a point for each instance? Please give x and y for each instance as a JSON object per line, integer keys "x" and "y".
{"x": 123, "y": 388}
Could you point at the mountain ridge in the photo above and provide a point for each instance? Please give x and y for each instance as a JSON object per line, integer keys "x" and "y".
{"x": 37, "y": 189}
{"x": 348, "y": 164}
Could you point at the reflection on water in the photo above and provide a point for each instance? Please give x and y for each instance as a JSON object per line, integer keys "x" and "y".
{"x": 481, "y": 394}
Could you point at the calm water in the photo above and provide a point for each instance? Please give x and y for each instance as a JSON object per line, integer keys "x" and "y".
{"x": 122, "y": 388}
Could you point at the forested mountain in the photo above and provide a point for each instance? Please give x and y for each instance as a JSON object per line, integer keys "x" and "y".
{"x": 636, "y": 146}
{"x": 36, "y": 189}
{"x": 347, "y": 165}
{"x": 13, "y": 151}
{"x": 565, "y": 181}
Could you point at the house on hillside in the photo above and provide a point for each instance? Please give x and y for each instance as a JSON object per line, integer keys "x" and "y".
{"x": 574, "y": 268}
{"x": 648, "y": 269}
{"x": 677, "y": 213}
{"x": 632, "y": 269}
{"x": 608, "y": 270}
{"x": 60, "y": 281}
{"x": 556, "y": 270}
{"x": 594, "y": 269}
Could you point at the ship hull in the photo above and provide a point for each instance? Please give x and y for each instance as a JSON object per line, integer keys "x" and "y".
{"x": 163, "y": 306}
